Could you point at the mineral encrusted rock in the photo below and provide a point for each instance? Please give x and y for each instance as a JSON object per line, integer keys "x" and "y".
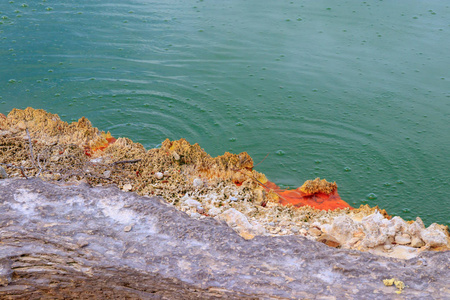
{"x": 225, "y": 187}
{"x": 239, "y": 222}
{"x": 375, "y": 230}
{"x": 83, "y": 242}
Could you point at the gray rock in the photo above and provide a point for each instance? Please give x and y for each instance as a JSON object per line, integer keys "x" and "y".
{"x": 3, "y": 173}
{"x": 168, "y": 255}
{"x": 5, "y": 272}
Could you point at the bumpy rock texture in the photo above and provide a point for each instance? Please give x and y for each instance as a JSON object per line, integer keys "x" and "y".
{"x": 35, "y": 143}
{"x": 83, "y": 242}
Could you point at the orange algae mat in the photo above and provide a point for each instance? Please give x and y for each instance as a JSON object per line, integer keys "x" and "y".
{"x": 323, "y": 200}
{"x": 101, "y": 145}
{"x": 318, "y": 194}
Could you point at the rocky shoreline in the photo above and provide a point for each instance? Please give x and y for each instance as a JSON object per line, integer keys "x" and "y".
{"x": 63, "y": 241}
{"x": 35, "y": 143}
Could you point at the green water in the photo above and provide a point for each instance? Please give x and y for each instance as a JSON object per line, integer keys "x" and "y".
{"x": 354, "y": 92}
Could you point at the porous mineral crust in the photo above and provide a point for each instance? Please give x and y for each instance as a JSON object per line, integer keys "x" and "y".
{"x": 224, "y": 187}
{"x": 311, "y": 187}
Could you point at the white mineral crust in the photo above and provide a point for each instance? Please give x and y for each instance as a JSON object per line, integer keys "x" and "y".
{"x": 403, "y": 239}
{"x": 191, "y": 202}
{"x": 197, "y": 183}
{"x": 214, "y": 211}
{"x": 434, "y": 236}
{"x": 239, "y": 222}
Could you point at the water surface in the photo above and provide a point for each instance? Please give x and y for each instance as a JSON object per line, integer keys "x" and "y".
{"x": 354, "y": 92}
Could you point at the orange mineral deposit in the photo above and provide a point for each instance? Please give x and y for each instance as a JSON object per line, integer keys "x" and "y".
{"x": 318, "y": 194}
{"x": 104, "y": 140}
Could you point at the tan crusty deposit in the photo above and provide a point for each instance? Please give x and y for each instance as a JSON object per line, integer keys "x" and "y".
{"x": 225, "y": 187}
